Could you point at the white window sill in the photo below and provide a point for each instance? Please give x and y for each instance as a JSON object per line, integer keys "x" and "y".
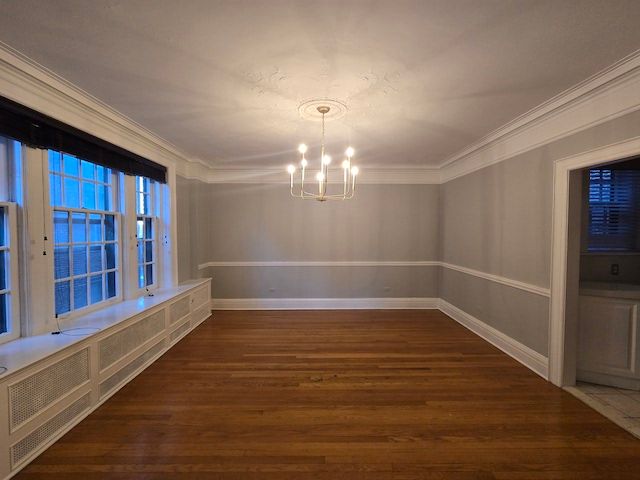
{"x": 25, "y": 351}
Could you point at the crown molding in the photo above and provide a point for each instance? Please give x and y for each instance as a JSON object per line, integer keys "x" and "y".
{"x": 33, "y": 85}
{"x": 371, "y": 175}
{"x": 609, "y": 94}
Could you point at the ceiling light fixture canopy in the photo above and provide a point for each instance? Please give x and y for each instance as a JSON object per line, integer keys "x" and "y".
{"x": 349, "y": 172}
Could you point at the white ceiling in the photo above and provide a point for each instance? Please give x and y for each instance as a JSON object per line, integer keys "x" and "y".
{"x": 222, "y": 80}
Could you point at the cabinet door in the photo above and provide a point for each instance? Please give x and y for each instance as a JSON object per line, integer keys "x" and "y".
{"x": 608, "y": 336}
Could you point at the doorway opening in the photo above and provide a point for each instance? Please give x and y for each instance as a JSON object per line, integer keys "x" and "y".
{"x": 594, "y": 343}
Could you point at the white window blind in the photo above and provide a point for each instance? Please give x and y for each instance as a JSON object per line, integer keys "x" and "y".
{"x": 614, "y": 216}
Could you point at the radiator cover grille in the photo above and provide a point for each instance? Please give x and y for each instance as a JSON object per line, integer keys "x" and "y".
{"x": 119, "y": 344}
{"x": 114, "y": 380}
{"x": 29, "y": 444}
{"x": 179, "y": 309}
{"x": 33, "y": 394}
{"x": 181, "y": 330}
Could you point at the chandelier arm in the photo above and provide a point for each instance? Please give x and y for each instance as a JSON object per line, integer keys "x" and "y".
{"x": 348, "y": 175}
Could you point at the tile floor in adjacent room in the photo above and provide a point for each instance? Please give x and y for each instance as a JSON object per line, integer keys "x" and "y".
{"x": 619, "y": 405}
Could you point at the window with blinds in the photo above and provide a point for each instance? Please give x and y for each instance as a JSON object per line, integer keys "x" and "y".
{"x": 5, "y": 291}
{"x": 146, "y": 232}
{"x": 85, "y": 227}
{"x": 614, "y": 215}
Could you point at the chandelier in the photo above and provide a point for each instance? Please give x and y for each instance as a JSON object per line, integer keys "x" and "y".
{"x": 348, "y": 172}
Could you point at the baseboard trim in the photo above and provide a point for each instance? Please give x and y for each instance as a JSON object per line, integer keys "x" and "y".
{"x": 528, "y": 357}
{"x": 421, "y": 303}
{"x": 535, "y": 361}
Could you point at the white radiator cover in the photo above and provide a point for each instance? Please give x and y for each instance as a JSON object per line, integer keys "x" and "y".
{"x": 41, "y": 402}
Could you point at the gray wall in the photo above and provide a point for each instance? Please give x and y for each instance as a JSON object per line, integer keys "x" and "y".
{"x": 597, "y": 268}
{"x": 496, "y": 220}
{"x": 248, "y": 223}
{"x": 193, "y": 229}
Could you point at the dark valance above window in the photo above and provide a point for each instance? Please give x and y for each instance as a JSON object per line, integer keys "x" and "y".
{"x": 40, "y": 131}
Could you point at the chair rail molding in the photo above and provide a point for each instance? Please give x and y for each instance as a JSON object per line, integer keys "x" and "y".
{"x": 509, "y": 282}
{"x": 326, "y": 263}
{"x": 559, "y": 241}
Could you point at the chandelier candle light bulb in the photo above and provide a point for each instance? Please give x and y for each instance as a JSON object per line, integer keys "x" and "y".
{"x": 348, "y": 172}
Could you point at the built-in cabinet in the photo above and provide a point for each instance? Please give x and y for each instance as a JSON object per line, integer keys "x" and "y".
{"x": 53, "y": 382}
{"x": 608, "y": 341}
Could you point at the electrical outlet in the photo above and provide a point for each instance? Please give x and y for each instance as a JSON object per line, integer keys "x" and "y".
{"x": 615, "y": 269}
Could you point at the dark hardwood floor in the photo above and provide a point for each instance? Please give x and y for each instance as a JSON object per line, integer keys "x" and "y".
{"x": 339, "y": 395}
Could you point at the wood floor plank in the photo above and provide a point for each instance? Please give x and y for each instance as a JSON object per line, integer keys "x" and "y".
{"x": 389, "y": 395}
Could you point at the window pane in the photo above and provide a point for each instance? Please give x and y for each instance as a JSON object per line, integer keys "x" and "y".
{"x": 60, "y": 227}
{"x": 140, "y": 228}
{"x": 140, "y": 251}
{"x": 148, "y": 251}
{"x": 109, "y": 227}
{"x": 96, "y": 288}
{"x": 140, "y": 276}
{"x": 61, "y": 262}
{"x": 54, "y": 161}
{"x": 2, "y": 227}
{"x": 63, "y": 297}
{"x": 148, "y": 228}
{"x": 55, "y": 186}
{"x": 3, "y": 270}
{"x": 100, "y": 173}
{"x": 80, "y": 293}
{"x": 95, "y": 227}
{"x": 95, "y": 258}
{"x": 111, "y": 284}
{"x": 79, "y": 260}
{"x": 88, "y": 170}
{"x": 79, "y": 227}
{"x": 103, "y": 201}
{"x": 89, "y": 195}
{"x": 149, "y": 274}
{"x": 71, "y": 193}
{"x": 4, "y": 314}
{"x": 110, "y": 249}
{"x": 109, "y": 199}
{"x": 71, "y": 165}
{"x": 140, "y": 204}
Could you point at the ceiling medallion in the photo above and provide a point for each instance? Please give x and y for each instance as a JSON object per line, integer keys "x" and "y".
{"x": 323, "y": 109}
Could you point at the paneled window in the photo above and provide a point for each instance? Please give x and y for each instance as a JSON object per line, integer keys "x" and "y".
{"x": 9, "y": 325}
{"x": 85, "y": 233}
{"x": 614, "y": 210}
{"x": 10, "y": 159}
{"x": 146, "y": 222}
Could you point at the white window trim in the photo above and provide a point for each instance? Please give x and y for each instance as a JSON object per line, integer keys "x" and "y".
{"x": 116, "y": 194}
{"x": 144, "y": 263}
{"x": 155, "y": 203}
{"x": 104, "y": 303}
{"x": 14, "y": 324}
{"x": 80, "y": 179}
{"x": 34, "y": 241}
